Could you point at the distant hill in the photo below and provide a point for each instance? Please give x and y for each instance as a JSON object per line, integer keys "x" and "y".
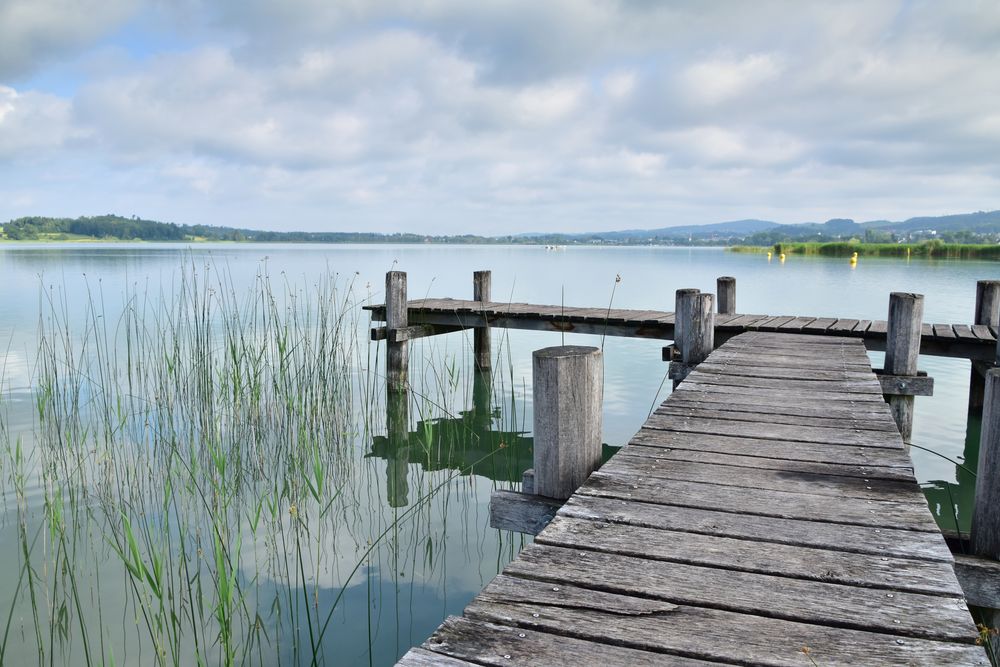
{"x": 732, "y": 228}
{"x": 978, "y": 227}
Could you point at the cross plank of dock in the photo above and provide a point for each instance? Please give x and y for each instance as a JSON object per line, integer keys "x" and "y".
{"x": 766, "y": 514}
{"x": 977, "y": 342}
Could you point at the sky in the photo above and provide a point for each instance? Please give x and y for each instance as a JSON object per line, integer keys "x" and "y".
{"x": 497, "y": 117}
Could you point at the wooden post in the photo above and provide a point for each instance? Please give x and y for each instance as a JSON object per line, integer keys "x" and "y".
{"x": 694, "y": 329}
{"x": 568, "y": 395}
{"x": 481, "y": 281}
{"x": 986, "y": 509}
{"x": 725, "y": 288}
{"x": 397, "y": 355}
{"x": 988, "y": 313}
{"x": 680, "y": 297}
{"x": 902, "y": 348}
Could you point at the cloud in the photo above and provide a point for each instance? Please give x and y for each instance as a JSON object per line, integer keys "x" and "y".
{"x": 36, "y": 32}
{"x": 497, "y": 116}
{"x": 33, "y": 124}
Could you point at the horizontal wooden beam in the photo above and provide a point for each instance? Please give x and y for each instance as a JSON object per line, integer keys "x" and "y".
{"x": 522, "y": 512}
{"x": 409, "y": 333}
{"x": 980, "y": 579}
{"x": 905, "y": 385}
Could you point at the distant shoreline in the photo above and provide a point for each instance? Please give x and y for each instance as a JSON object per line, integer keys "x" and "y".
{"x": 924, "y": 249}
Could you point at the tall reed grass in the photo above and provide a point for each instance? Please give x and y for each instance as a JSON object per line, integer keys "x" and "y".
{"x": 195, "y": 488}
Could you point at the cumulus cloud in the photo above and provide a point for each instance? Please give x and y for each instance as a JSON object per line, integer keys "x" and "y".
{"x": 36, "y": 32}
{"x": 525, "y": 115}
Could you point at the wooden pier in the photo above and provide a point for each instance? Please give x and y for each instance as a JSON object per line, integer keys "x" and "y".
{"x": 765, "y": 514}
{"x": 428, "y": 317}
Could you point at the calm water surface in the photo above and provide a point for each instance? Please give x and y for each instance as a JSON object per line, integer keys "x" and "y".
{"x": 429, "y": 562}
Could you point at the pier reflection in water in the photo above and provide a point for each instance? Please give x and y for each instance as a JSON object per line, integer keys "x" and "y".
{"x": 472, "y": 443}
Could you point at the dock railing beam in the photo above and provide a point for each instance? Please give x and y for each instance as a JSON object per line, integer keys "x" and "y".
{"x": 694, "y": 332}
{"x": 481, "y": 285}
{"x": 985, "y": 534}
{"x": 987, "y": 313}
{"x": 568, "y": 385}
{"x": 725, "y": 288}
{"x": 902, "y": 349}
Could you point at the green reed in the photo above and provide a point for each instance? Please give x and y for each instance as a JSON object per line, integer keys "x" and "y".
{"x": 206, "y": 439}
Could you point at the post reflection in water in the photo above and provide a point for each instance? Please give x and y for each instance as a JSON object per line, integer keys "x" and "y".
{"x": 474, "y": 443}
{"x": 470, "y": 443}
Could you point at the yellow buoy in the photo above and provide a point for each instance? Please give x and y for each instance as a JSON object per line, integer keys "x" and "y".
{"x": 769, "y": 257}
{"x": 854, "y": 261}
{"x": 782, "y": 257}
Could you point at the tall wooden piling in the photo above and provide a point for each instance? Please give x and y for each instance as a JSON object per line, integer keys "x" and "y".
{"x": 397, "y": 357}
{"x": 987, "y": 313}
{"x": 725, "y": 288}
{"x": 902, "y": 349}
{"x": 568, "y": 386}
{"x": 481, "y": 284}
{"x": 986, "y": 510}
{"x": 694, "y": 327}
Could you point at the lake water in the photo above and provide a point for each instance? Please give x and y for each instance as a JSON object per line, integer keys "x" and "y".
{"x": 397, "y": 539}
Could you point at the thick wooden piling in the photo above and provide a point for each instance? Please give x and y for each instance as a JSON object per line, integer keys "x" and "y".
{"x": 481, "y": 284}
{"x": 397, "y": 354}
{"x": 987, "y": 313}
{"x": 695, "y": 331}
{"x": 725, "y": 288}
{"x": 568, "y": 395}
{"x": 986, "y": 510}
{"x": 906, "y": 311}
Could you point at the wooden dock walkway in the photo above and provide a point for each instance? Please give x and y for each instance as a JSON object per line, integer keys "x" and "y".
{"x": 765, "y": 514}
{"x": 968, "y": 341}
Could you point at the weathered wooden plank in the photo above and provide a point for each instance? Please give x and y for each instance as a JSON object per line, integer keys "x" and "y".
{"x": 762, "y": 357}
{"x": 762, "y": 502}
{"x": 795, "y": 532}
{"x": 421, "y": 657}
{"x": 980, "y": 580}
{"x": 750, "y": 461}
{"x": 866, "y": 416}
{"x": 862, "y": 326}
{"x": 867, "y": 386}
{"x": 772, "y": 431}
{"x": 744, "y": 321}
{"x": 521, "y": 512}
{"x": 685, "y": 409}
{"x": 777, "y": 449}
{"x": 498, "y": 643}
{"x": 843, "y": 325}
{"x": 964, "y": 332}
{"x": 773, "y": 323}
{"x": 695, "y": 631}
{"x": 982, "y": 332}
{"x": 878, "y": 327}
{"x": 943, "y": 331}
{"x": 897, "y": 612}
{"x": 809, "y": 563}
{"x": 796, "y": 324}
{"x": 795, "y": 372}
{"x": 712, "y": 394}
{"x": 820, "y": 324}
{"x": 855, "y": 391}
{"x": 786, "y": 481}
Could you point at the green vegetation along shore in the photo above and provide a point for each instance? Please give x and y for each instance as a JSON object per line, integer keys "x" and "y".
{"x": 930, "y": 249}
